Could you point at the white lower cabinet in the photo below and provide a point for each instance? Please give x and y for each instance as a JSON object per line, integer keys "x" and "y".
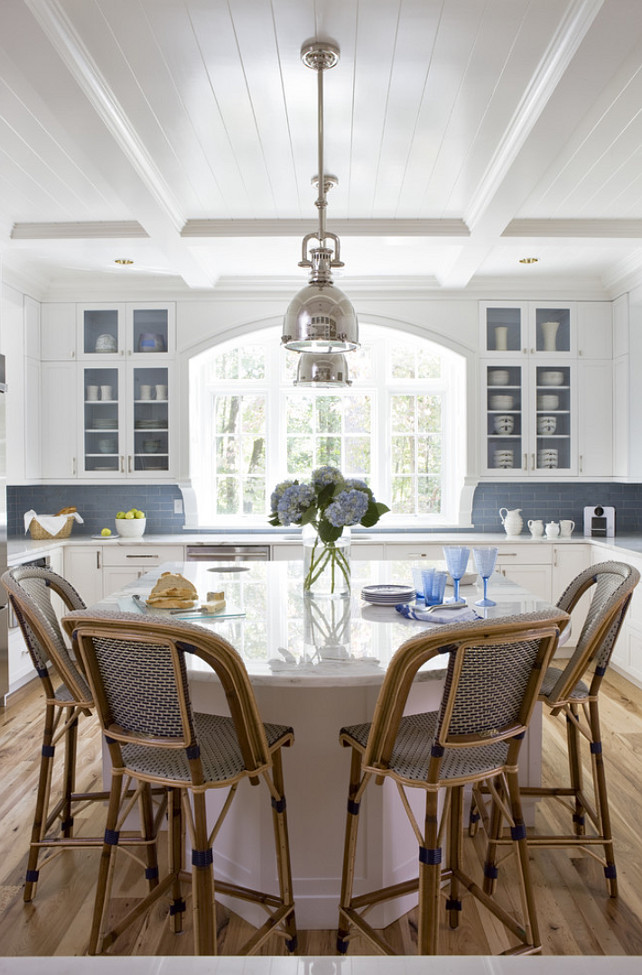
{"x": 123, "y": 564}
{"x": 84, "y": 570}
{"x": 528, "y": 564}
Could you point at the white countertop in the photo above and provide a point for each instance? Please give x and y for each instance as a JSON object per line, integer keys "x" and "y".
{"x": 23, "y": 548}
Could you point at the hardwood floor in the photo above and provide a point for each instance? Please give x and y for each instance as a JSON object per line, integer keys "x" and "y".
{"x": 576, "y": 915}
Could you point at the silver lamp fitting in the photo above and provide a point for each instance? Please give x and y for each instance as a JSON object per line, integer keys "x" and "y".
{"x": 320, "y": 318}
{"x": 320, "y": 371}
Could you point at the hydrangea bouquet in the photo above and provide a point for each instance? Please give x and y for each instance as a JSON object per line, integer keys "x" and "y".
{"x": 329, "y": 503}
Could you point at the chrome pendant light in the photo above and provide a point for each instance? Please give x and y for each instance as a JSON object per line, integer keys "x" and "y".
{"x": 320, "y": 318}
{"x": 319, "y": 370}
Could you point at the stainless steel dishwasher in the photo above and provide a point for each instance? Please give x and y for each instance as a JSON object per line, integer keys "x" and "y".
{"x": 204, "y": 552}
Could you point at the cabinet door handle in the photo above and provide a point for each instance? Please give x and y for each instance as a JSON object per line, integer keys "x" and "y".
{"x": 98, "y": 558}
{"x": 555, "y": 557}
{"x": 142, "y": 556}
{"x": 72, "y": 354}
{"x": 122, "y": 464}
{"x": 581, "y": 464}
{"x": 129, "y": 464}
{"x": 532, "y": 462}
{"x": 525, "y": 465}
{"x": 73, "y": 466}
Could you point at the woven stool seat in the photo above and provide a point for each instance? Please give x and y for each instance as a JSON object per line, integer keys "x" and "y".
{"x": 579, "y": 692}
{"x": 136, "y": 666}
{"x": 493, "y": 677}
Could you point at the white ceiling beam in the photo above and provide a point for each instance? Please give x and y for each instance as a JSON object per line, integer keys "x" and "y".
{"x": 344, "y": 228}
{"x": 597, "y": 229}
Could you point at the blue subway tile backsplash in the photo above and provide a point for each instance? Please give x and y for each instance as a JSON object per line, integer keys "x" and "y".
{"x": 553, "y": 500}
{"x": 97, "y": 504}
{"x": 550, "y": 501}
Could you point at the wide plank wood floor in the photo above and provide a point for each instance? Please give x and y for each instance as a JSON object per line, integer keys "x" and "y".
{"x": 576, "y": 915}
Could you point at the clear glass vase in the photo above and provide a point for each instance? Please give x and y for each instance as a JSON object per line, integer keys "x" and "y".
{"x": 326, "y": 565}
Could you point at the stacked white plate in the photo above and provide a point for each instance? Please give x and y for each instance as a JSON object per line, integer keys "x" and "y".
{"x": 387, "y": 594}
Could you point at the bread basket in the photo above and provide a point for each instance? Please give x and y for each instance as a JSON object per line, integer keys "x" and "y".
{"x": 40, "y": 534}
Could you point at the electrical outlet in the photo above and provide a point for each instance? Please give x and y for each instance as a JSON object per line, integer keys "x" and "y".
{"x": 178, "y": 506}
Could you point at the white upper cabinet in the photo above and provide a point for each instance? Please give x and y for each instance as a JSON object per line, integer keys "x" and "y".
{"x": 140, "y": 329}
{"x": 528, "y": 328}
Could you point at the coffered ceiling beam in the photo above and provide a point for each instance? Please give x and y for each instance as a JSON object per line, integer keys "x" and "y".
{"x": 345, "y": 228}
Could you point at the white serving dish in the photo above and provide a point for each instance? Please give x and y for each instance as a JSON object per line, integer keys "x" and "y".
{"x": 551, "y": 378}
{"x": 547, "y": 402}
{"x": 498, "y": 377}
{"x": 130, "y": 527}
{"x": 501, "y": 402}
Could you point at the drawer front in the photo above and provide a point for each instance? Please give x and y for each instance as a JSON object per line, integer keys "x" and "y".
{"x": 414, "y": 550}
{"x": 529, "y": 554}
{"x": 142, "y": 556}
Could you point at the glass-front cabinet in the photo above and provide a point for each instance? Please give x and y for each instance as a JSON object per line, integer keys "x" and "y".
{"x": 529, "y": 418}
{"x": 529, "y": 328}
{"x": 138, "y": 329}
{"x": 126, "y": 420}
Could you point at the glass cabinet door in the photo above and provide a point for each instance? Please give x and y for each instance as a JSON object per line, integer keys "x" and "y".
{"x": 552, "y": 330}
{"x": 504, "y": 417}
{"x": 99, "y": 330}
{"x": 553, "y": 432}
{"x": 151, "y": 419}
{"x": 102, "y": 445}
{"x": 503, "y": 328}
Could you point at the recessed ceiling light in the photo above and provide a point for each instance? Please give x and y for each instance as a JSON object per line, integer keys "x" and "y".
{"x": 122, "y": 260}
{"x": 528, "y": 260}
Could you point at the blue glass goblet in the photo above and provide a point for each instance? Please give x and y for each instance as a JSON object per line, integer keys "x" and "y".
{"x": 485, "y": 559}
{"x": 456, "y": 560}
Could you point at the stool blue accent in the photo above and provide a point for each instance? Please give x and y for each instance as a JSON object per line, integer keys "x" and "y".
{"x": 278, "y": 805}
{"x": 292, "y": 944}
{"x": 596, "y": 748}
{"x": 68, "y": 823}
{"x": 177, "y": 907}
{"x": 610, "y": 872}
{"x": 431, "y": 857}
{"x": 48, "y": 751}
{"x": 32, "y": 876}
{"x": 518, "y": 832}
{"x": 202, "y": 858}
{"x": 151, "y": 873}
{"x": 453, "y": 905}
{"x": 193, "y": 751}
{"x": 491, "y": 871}
{"x": 112, "y": 836}
{"x": 342, "y": 946}
{"x": 354, "y": 807}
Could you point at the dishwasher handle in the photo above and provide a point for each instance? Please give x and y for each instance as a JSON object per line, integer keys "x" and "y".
{"x": 227, "y": 553}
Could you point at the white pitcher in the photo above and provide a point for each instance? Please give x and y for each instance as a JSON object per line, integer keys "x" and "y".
{"x": 536, "y": 528}
{"x": 511, "y": 520}
{"x": 552, "y": 529}
{"x": 567, "y": 527}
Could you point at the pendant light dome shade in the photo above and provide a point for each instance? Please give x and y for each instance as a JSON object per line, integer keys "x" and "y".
{"x": 320, "y": 316}
{"x": 319, "y": 370}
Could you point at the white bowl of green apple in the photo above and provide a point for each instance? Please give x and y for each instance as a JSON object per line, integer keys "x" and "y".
{"x": 131, "y": 524}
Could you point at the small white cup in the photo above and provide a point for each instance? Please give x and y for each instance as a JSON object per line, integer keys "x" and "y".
{"x": 536, "y": 528}
{"x": 552, "y": 529}
{"x": 161, "y": 392}
{"x": 145, "y": 392}
{"x": 92, "y": 392}
{"x": 105, "y": 392}
{"x": 567, "y": 528}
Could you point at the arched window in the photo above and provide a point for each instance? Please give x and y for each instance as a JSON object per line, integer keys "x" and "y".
{"x": 400, "y": 426}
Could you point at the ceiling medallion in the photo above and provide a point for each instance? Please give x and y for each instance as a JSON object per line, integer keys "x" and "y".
{"x": 320, "y": 318}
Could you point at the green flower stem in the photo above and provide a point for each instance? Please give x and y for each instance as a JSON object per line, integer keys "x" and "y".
{"x": 331, "y": 555}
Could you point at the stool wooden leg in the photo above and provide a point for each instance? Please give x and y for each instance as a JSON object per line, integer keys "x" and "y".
{"x": 104, "y": 868}
{"x": 518, "y": 833}
{"x": 495, "y": 826}
{"x": 42, "y": 802}
{"x": 575, "y": 768}
{"x": 176, "y": 844}
{"x": 282, "y": 847}
{"x": 429, "y": 881}
{"x": 455, "y": 826}
{"x": 147, "y": 830}
{"x": 349, "y": 850}
{"x": 202, "y": 882}
{"x": 69, "y": 776}
{"x": 602, "y": 799}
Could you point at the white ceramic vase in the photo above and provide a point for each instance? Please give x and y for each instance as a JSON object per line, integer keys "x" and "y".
{"x": 549, "y": 333}
{"x": 511, "y": 520}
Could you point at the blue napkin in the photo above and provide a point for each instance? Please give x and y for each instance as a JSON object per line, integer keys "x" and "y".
{"x": 462, "y": 615}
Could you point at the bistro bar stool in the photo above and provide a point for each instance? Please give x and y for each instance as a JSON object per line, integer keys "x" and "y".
{"x": 67, "y": 700}
{"x": 494, "y": 671}
{"x": 137, "y": 671}
{"x": 573, "y": 692}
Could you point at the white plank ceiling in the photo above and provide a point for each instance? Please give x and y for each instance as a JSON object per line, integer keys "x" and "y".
{"x": 465, "y": 135}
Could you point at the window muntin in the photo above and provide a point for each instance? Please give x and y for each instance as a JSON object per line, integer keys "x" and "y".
{"x": 399, "y": 426}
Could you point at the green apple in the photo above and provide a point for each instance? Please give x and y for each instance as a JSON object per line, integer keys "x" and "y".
{"x": 121, "y": 514}
{"x": 130, "y": 514}
{"x": 139, "y": 514}
{"x": 105, "y": 531}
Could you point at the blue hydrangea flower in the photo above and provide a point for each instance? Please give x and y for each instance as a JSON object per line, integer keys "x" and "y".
{"x": 326, "y": 475}
{"x": 357, "y": 484}
{"x": 294, "y": 502}
{"x": 277, "y": 494}
{"x": 348, "y": 508}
